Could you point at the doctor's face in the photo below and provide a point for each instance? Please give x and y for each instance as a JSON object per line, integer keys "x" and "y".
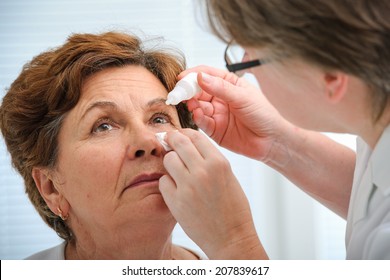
{"x": 295, "y": 88}
{"x": 109, "y": 161}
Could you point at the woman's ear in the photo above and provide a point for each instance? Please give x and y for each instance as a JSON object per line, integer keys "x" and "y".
{"x": 336, "y": 84}
{"x": 46, "y": 188}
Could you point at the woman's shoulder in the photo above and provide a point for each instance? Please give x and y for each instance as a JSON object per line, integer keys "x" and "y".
{"x": 53, "y": 253}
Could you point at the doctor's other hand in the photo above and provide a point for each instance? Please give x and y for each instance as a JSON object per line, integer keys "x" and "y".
{"x": 235, "y": 113}
{"x": 206, "y": 198}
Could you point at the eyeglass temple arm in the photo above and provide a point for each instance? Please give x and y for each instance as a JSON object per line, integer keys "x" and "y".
{"x": 242, "y": 65}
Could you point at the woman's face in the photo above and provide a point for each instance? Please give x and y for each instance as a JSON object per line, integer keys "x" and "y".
{"x": 109, "y": 161}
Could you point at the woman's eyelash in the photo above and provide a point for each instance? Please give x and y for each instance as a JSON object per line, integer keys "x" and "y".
{"x": 100, "y": 122}
{"x": 162, "y": 114}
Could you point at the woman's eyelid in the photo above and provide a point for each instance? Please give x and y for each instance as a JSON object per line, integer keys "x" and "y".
{"x": 162, "y": 114}
{"x": 101, "y": 121}
{"x": 104, "y": 120}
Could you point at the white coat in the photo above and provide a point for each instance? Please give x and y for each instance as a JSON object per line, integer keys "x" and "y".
{"x": 368, "y": 223}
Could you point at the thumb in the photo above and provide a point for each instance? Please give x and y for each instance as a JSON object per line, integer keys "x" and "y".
{"x": 218, "y": 87}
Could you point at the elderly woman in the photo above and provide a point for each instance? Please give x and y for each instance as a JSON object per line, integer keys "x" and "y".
{"x": 80, "y": 124}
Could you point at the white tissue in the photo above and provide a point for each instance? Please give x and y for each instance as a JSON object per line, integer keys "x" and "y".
{"x": 161, "y": 138}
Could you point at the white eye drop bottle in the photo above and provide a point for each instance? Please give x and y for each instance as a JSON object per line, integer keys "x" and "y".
{"x": 185, "y": 89}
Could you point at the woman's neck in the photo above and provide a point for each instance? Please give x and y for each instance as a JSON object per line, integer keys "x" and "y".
{"x": 151, "y": 242}
{"x": 136, "y": 249}
{"x": 170, "y": 252}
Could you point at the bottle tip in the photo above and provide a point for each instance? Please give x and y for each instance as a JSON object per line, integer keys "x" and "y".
{"x": 175, "y": 96}
{"x": 171, "y": 101}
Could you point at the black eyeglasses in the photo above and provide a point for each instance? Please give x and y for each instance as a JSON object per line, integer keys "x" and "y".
{"x": 233, "y": 58}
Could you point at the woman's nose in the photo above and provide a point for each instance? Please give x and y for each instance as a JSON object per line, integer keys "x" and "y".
{"x": 144, "y": 143}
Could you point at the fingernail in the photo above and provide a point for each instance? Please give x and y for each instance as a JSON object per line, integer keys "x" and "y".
{"x": 206, "y": 78}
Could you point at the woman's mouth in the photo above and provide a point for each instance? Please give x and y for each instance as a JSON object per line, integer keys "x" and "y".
{"x": 145, "y": 180}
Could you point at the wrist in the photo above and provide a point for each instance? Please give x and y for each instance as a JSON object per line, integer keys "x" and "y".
{"x": 246, "y": 249}
{"x": 242, "y": 243}
{"x": 286, "y": 141}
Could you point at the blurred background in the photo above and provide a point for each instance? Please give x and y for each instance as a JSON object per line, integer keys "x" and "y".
{"x": 290, "y": 224}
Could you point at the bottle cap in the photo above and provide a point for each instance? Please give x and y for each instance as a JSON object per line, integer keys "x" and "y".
{"x": 177, "y": 95}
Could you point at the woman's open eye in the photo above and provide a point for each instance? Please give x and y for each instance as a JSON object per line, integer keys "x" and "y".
{"x": 161, "y": 118}
{"x": 103, "y": 125}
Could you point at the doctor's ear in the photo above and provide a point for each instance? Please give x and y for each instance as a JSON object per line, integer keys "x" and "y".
{"x": 336, "y": 84}
{"x": 45, "y": 185}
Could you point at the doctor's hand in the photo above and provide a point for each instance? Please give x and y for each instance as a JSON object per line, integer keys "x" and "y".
{"x": 235, "y": 113}
{"x": 206, "y": 199}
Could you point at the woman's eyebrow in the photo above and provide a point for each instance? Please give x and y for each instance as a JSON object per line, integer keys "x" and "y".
{"x": 100, "y": 104}
{"x": 156, "y": 101}
{"x": 114, "y": 106}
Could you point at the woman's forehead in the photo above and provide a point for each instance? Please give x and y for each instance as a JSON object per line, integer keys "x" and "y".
{"x": 120, "y": 87}
{"x": 121, "y": 77}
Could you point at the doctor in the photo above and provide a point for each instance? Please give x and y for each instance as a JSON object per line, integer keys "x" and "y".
{"x": 322, "y": 66}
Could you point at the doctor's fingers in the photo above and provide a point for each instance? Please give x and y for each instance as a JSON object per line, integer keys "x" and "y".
{"x": 205, "y": 123}
{"x": 192, "y": 145}
{"x": 224, "y": 74}
{"x": 168, "y": 190}
{"x": 205, "y": 106}
{"x": 175, "y": 166}
{"x": 173, "y": 197}
{"x": 184, "y": 159}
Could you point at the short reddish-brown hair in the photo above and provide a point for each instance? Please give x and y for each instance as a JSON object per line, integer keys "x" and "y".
{"x": 49, "y": 86}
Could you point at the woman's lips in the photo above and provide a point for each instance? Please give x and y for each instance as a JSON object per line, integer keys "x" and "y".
{"x": 145, "y": 180}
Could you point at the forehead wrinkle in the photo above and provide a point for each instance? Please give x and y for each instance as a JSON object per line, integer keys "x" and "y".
{"x": 100, "y": 104}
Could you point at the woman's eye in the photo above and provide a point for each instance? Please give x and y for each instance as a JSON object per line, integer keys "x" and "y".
{"x": 161, "y": 118}
{"x": 102, "y": 126}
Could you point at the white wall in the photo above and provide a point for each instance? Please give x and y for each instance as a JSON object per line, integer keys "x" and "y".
{"x": 290, "y": 224}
